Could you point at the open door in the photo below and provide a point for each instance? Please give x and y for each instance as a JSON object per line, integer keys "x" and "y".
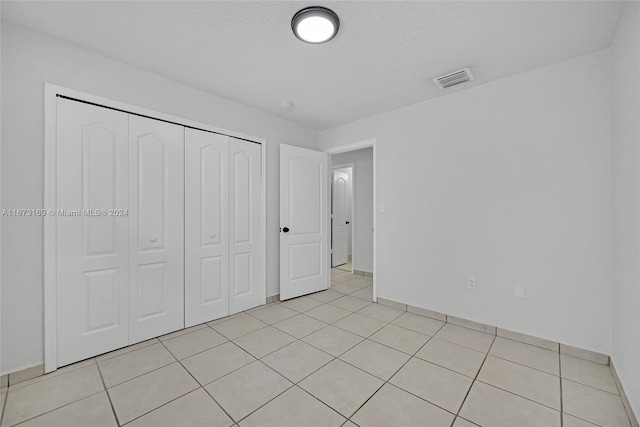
{"x": 304, "y": 232}
{"x": 339, "y": 222}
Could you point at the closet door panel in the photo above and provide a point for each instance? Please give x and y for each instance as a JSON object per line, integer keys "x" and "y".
{"x": 156, "y": 238}
{"x": 206, "y": 226}
{"x": 246, "y": 284}
{"x": 92, "y": 246}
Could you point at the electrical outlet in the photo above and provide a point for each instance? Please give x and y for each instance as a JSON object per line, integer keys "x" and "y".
{"x": 519, "y": 291}
{"x": 472, "y": 283}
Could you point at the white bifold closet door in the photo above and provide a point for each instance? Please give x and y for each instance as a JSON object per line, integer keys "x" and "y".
{"x": 246, "y": 284}
{"x": 222, "y": 226}
{"x": 206, "y": 258}
{"x": 92, "y": 258}
{"x": 156, "y": 228}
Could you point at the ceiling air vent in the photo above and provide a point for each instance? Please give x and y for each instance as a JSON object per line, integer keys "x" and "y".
{"x": 454, "y": 78}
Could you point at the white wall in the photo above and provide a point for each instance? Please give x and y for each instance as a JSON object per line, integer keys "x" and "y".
{"x": 626, "y": 202}
{"x": 363, "y": 204}
{"x": 28, "y": 60}
{"x": 508, "y": 182}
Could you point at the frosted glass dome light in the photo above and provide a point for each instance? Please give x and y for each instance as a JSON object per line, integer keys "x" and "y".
{"x": 315, "y": 24}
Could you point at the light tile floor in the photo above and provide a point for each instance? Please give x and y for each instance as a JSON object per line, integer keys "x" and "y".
{"x": 327, "y": 359}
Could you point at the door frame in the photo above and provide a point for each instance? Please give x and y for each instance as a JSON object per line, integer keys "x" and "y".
{"x": 51, "y": 93}
{"x": 353, "y": 204}
{"x": 373, "y": 143}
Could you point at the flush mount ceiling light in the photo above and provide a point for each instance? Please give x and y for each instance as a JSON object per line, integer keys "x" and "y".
{"x": 315, "y": 24}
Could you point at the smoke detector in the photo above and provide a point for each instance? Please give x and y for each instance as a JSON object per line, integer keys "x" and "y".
{"x": 286, "y": 105}
{"x": 455, "y": 78}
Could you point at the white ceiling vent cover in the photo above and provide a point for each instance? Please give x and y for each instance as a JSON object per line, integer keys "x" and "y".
{"x": 455, "y": 78}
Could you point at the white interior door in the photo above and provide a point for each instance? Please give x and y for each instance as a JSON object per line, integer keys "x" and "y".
{"x": 246, "y": 283}
{"x": 206, "y": 259}
{"x": 339, "y": 220}
{"x": 303, "y": 220}
{"x": 92, "y": 251}
{"x": 156, "y": 235}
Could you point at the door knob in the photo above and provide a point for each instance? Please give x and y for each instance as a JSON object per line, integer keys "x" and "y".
{"x": 347, "y": 222}
{"x": 153, "y": 239}
{"x": 212, "y": 236}
{"x": 285, "y": 229}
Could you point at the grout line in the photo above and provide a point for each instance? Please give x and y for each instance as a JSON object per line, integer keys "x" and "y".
{"x": 142, "y": 374}
{"x": 60, "y": 407}
{"x": 516, "y": 394}
{"x": 4, "y": 403}
{"x": 394, "y": 374}
{"x": 106, "y": 390}
{"x": 560, "y": 379}
{"x": 476, "y": 377}
{"x": 126, "y": 352}
{"x": 200, "y": 386}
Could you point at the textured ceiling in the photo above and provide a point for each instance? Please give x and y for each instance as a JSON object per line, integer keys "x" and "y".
{"x": 383, "y": 57}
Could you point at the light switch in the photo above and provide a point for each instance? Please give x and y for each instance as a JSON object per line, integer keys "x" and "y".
{"x": 519, "y": 291}
{"x": 381, "y": 207}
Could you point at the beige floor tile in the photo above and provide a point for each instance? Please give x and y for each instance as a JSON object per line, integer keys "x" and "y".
{"x": 422, "y": 324}
{"x": 309, "y": 412}
{"x": 341, "y": 386}
{"x": 376, "y": 359}
{"x": 359, "y": 281}
{"x": 328, "y": 313}
{"x": 365, "y": 293}
{"x": 588, "y": 373}
{"x": 465, "y": 337}
{"x": 344, "y": 288}
{"x": 439, "y": 386}
{"x": 461, "y": 422}
{"x": 94, "y": 411}
{"x": 297, "y": 360}
{"x": 391, "y": 406}
{"x": 571, "y": 421}
{"x": 26, "y": 374}
{"x": 525, "y": 354}
{"x": 595, "y": 406}
{"x": 274, "y": 313}
{"x": 239, "y": 326}
{"x": 528, "y": 339}
{"x": 150, "y": 391}
{"x": 360, "y": 325}
{"x": 212, "y": 364}
{"x": 326, "y": 296}
{"x": 350, "y": 303}
{"x": 300, "y": 326}
{"x": 527, "y": 382}
{"x": 302, "y": 304}
{"x": 264, "y": 341}
{"x": 181, "y": 332}
{"x": 248, "y": 388}
{"x": 27, "y": 402}
{"x": 489, "y": 406}
{"x": 399, "y": 338}
{"x": 195, "y": 342}
{"x": 341, "y": 276}
{"x": 452, "y": 356}
{"x": 332, "y": 340}
{"x": 225, "y": 319}
{"x": 196, "y": 409}
{"x": 126, "y": 349}
{"x": 133, "y": 364}
{"x": 57, "y": 372}
{"x": 381, "y": 312}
